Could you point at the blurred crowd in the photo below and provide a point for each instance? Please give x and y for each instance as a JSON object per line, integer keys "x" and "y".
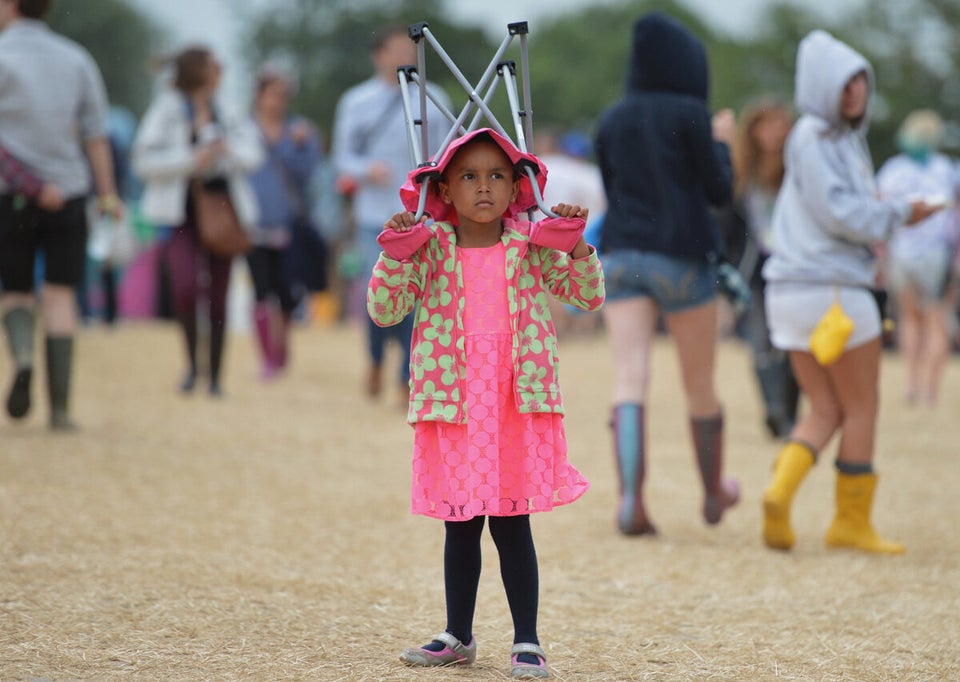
{"x": 769, "y": 224}
{"x": 312, "y": 198}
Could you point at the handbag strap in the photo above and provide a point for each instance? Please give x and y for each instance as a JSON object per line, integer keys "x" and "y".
{"x": 361, "y": 144}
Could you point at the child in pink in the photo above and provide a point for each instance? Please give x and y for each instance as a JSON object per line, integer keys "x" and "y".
{"x": 485, "y": 399}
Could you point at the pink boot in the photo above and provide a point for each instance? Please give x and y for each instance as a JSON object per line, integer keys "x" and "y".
{"x": 263, "y": 320}
{"x": 281, "y": 340}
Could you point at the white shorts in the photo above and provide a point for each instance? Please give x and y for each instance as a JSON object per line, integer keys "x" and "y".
{"x": 925, "y": 272}
{"x": 793, "y": 310}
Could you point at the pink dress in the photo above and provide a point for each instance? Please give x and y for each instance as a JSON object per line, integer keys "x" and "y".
{"x": 501, "y": 462}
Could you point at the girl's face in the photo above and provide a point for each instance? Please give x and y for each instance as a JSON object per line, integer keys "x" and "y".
{"x": 211, "y": 72}
{"x": 274, "y": 96}
{"x": 397, "y": 50}
{"x": 770, "y": 131}
{"x": 853, "y": 101}
{"x": 480, "y": 184}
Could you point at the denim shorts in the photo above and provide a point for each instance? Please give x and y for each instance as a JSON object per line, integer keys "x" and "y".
{"x": 674, "y": 283}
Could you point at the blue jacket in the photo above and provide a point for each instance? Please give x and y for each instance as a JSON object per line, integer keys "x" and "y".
{"x": 661, "y": 168}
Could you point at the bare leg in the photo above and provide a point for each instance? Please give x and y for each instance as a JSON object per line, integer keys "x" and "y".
{"x": 909, "y": 325}
{"x": 855, "y": 379}
{"x": 818, "y": 425}
{"x": 16, "y": 299}
{"x": 935, "y": 350}
{"x": 695, "y": 333}
{"x": 631, "y": 325}
{"x": 60, "y": 316}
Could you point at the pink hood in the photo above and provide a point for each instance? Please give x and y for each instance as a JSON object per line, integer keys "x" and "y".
{"x": 439, "y": 210}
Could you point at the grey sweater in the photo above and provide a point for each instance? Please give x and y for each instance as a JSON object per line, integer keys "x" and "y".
{"x": 52, "y": 101}
{"x": 827, "y": 213}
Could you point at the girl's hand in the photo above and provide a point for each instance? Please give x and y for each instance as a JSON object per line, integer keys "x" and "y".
{"x": 570, "y": 211}
{"x": 300, "y": 132}
{"x": 401, "y": 222}
{"x": 724, "y": 125}
{"x": 204, "y": 158}
{"x": 921, "y": 211}
{"x": 50, "y": 197}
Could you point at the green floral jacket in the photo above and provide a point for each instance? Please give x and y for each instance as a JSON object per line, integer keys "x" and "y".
{"x": 432, "y": 278}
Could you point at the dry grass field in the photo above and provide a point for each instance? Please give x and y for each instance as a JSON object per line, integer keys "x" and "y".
{"x": 267, "y": 536}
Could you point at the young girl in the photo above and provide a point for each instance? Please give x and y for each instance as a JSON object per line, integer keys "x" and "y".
{"x": 485, "y": 401}
{"x": 825, "y": 220}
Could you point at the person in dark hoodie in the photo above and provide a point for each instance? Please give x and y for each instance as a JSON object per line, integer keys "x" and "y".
{"x": 665, "y": 162}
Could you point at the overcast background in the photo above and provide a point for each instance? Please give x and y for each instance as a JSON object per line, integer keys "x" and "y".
{"x": 216, "y": 22}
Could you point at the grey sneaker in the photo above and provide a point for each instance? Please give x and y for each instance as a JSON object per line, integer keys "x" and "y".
{"x": 455, "y": 652}
{"x": 528, "y": 671}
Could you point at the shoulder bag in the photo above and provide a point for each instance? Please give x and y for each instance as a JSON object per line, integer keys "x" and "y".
{"x": 217, "y": 223}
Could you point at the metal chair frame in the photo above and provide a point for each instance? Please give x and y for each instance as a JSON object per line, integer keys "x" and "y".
{"x": 498, "y": 71}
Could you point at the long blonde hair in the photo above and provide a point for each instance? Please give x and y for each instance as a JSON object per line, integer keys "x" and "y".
{"x": 747, "y": 157}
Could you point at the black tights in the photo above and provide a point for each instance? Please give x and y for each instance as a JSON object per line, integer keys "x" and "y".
{"x": 518, "y": 569}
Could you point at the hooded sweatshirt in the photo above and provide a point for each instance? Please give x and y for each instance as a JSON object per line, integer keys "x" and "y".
{"x": 827, "y": 213}
{"x": 661, "y": 167}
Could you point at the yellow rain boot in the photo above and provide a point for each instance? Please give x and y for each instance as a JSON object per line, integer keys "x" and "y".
{"x": 793, "y": 464}
{"x": 851, "y": 526}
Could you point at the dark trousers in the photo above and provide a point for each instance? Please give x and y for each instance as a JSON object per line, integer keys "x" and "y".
{"x": 193, "y": 271}
{"x": 269, "y": 271}
{"x": 377, "y": 338}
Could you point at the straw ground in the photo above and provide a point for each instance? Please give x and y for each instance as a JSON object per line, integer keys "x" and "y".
{"x": 267, "y": 536}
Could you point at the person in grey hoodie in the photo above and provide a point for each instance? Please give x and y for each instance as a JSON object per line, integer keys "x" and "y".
{"x": 826, "y": 220}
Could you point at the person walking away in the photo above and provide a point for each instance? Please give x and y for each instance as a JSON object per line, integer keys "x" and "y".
{"x": 281, "y": 185}
{"x": 758, "y": 168}
{"x": 186, "y": 136}
{"x": 919, "y": 259}
{"x": 826, "y": 219}
{"x": 372, "y": 156}
{"x": 485, "y": 402}
{"x": 665, "y": 163}
{"x": 53, "y": 119}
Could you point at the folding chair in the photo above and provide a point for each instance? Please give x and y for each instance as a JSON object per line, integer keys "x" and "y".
{"x": 476, "y": 105}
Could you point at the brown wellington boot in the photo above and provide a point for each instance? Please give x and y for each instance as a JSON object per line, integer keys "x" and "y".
{"x": 719, "y": 493}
